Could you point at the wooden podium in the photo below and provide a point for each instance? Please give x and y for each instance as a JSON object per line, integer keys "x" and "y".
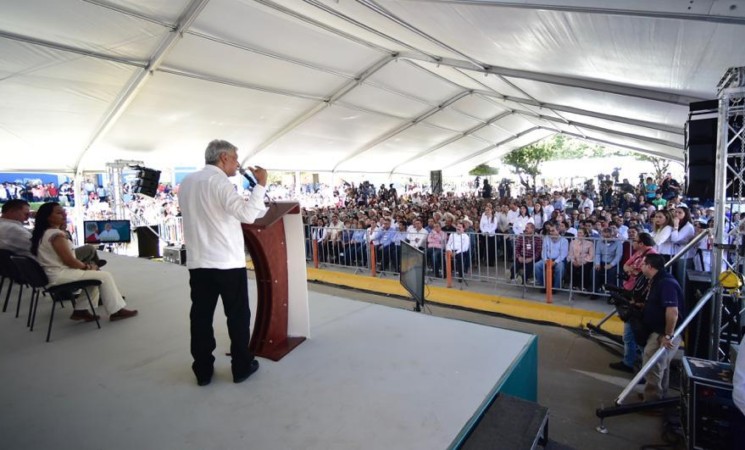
{"x": 275, "y": 243}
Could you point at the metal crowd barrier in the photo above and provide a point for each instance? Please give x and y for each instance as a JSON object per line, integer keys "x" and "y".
{"x": 491, "y": 259}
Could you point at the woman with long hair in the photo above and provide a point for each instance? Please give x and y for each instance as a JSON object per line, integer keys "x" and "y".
{"x": 683, "y": 232}
{"x": 539, "y": 216}
{"x": 56, "y": 255}
{"x": 661, "y": 231}
{"x": 522, "y": 219}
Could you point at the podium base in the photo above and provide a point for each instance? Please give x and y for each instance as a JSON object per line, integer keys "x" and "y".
{"x": 277, "y": 351}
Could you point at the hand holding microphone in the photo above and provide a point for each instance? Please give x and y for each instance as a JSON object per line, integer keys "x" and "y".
{"x": 259, "y": 175}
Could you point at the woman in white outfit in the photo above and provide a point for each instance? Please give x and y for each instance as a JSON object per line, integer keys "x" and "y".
{"x": 56, "y": 255}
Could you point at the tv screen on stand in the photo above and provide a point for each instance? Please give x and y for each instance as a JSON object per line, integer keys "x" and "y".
{"x": 412, "y": 273}
{"x": 107, "y": 231}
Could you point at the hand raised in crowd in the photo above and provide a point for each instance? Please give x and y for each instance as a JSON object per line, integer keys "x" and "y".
{"x": 259, "y": 173}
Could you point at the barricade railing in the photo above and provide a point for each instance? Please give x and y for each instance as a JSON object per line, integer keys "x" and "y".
{"x": 171, "y": 230}
{"x": 491, "y": 258}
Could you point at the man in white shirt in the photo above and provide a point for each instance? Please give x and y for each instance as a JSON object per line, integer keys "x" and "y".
{"x": 586, "y": 203}
{"x": 416, "y": 235}
{"x": 109, "y": 234}
{"x": 213, "y": 212}
{"x": 13, "y": 236}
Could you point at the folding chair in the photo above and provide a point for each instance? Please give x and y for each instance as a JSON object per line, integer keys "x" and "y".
{"x": 33, "y": 274}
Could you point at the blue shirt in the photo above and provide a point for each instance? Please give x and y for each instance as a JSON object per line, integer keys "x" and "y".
{"x": 556, "y": 250}
{"x": 608, "y": 251}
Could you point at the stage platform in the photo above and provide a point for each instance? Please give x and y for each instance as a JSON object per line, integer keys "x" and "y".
{"x": 369, "y": 377}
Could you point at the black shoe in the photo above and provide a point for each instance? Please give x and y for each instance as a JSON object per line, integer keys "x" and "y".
{"x": 204, "y": 379}
{"x": 622, "y": 367}
{"x": 251, "y": 369}
{"x": 101, "y": 262}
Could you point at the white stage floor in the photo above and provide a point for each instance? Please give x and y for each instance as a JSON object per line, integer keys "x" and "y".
{"x": 369, "y": 377}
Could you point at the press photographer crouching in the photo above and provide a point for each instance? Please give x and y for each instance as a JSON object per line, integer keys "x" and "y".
{"x": 630, "y": 299}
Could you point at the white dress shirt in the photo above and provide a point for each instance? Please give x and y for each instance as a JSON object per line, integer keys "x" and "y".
{"x": 14, "y": 237}
{"x": 458, "y": 243}
{"x": 213, "y": 212}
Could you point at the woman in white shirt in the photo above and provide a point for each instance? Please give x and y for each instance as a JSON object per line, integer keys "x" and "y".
{"x": 539, "y": 216}
{"x": 487, "y": 239}
{"x": 56, "y": 255}
{"x": 661, "y": 232}
{"x": 683, "y": 232}
{"x": 522, "y": 219}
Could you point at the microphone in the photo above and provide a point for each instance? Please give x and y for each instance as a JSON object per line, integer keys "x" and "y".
{"x": 248, "y": 176}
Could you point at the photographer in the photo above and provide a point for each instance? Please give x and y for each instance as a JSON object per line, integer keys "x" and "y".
{"x": 642, "y": 245}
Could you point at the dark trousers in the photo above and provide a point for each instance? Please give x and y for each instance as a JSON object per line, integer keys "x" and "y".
{"x": 462, "y": 263}
{"x": 488, "y": 249}
{"x": 582, "y": 275}
{"x": 232, "y": 286}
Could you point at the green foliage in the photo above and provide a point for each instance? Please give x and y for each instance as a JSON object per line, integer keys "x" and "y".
{"x": 526, "y": 161}
{"x": 483, "y": 170}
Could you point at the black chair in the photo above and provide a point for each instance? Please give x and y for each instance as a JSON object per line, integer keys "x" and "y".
{"x": 30, "y": 270}
{"x": 9, "y": 272}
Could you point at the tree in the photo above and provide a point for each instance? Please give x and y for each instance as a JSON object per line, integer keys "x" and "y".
{"x": 526, "y": 161}
{"x": 661, "y": 165}
{"x": 483, "y": 170}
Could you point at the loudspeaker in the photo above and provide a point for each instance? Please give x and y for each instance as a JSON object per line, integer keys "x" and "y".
{"x": 701, "y": 151}
{"x": 147, "y": 181}
{"x": 435, "y": 180}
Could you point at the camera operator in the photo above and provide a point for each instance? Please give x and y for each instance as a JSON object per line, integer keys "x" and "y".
{"x": 642, "y": 245}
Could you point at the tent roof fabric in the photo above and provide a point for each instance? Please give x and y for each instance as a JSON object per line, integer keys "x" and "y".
{"x": 377, "y": 86}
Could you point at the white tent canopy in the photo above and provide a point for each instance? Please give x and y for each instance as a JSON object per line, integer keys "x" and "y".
{"x": 378, "y": 86}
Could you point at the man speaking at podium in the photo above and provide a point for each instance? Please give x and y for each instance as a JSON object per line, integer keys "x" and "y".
{"x": 213, "y": 212}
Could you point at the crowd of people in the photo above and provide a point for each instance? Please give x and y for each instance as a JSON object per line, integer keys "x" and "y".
{"x": 597, "y": 240}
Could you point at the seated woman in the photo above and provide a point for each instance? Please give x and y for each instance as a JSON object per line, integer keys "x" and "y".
{"x": 55, "y": 254}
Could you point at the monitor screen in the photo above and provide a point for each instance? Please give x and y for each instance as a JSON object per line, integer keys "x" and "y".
{"x": 412, "y": 271}
{"x": 107, "y": 231}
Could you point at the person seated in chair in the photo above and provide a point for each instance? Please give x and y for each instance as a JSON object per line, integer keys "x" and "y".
{"x": 13, "y": 236}
{"x": 55, "y": 254}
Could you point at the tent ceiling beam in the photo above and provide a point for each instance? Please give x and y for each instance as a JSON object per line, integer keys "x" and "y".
{"x": 597, "y": 115}
{"x": 139, "y": 79}
{"x": 552, "y": 6}
{"x": 371, "y": 5}
{"x": 560, "y": 80}
{"x": 341, "y": 92}
{"x": 453, "y": 139}
{"x": 303, "y": 18}
{"x": 493, "y": 146}
{"x": 129, "y": 12}
{"x": 644, "y": 151}
{"x": 473, "y": 64}
{"x": 402, "y": 128}
{"x": 607, "y": 130}
{"x": 71, "y": 49}
{"x": 239, "y": 84}
{"x": 269, "y": 54}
